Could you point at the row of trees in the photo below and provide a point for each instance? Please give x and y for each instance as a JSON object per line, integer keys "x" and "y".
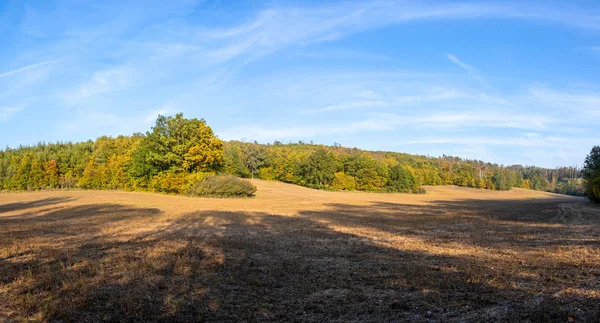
{"x": 339, "y": 168}
{"x": 175, "y": 154}
{"x": 178, "y": 152}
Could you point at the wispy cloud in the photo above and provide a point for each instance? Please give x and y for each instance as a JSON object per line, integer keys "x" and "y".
{"x": 582, "y": 102}
{"x": 101, "y": 83}
{"x": 127, "y": 63}
{"x": 523, "y": 141}
{"x": 460, "y": 63}
{"x": 468, "y": 68}
{"x": 444, "y": 120}
{"x": 341, "y": 54}
{"x": 7, "y": 112}
{"x": 165, "y": 110}
{"x": 110, "y": 123}
{"x": 351, "y": 105}
{"x": 396, "y": 96}
{"x": 26, "y": 68}
{"x": 391, "y": 122}
{"x": 278, "y": 27}
{"x": 264, "y": 134}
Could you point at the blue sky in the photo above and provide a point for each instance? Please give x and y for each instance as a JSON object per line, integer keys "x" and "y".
{"x": 507, "y": 82}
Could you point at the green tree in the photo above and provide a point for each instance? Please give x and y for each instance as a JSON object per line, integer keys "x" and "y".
{"x": 36, "y": 175}
{"x": 319, "y": 169}
{"x": 233, "y": 160}
{"x": 176, "y": 144}
{"x": 21, "y": 178}
{"x": 369, "y": 174}
{"x": 256, "y": 157}
{"x": 591, "y": 174}
{"x": 401, "y": 180}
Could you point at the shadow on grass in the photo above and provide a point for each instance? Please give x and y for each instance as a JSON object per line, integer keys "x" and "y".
{"x": 494, "y": 223}
{"x": 33, "y": 204}
{"x": 101, "y": 263}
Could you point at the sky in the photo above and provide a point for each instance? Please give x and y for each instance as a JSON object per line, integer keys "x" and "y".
{"x": 505, "y": 82}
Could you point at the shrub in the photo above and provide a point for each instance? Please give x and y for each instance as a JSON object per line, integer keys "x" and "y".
{"x": 419, "y": 190}
{"x": 222, "y": 186}
{"x": 194, "y": 178}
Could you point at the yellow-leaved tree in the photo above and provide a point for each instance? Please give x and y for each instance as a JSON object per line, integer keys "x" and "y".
{"x": 174, "y": 148}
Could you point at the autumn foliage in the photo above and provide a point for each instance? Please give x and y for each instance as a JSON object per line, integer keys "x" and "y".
{"x": 178, "y": 153}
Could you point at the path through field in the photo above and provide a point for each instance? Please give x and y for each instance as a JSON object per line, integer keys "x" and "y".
{"x": 296, "y": 254}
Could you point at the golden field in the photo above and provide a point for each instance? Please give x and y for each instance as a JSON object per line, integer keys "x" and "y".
{"x": 296, "y": 254}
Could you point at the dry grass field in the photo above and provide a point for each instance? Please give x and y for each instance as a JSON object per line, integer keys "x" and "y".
{"x": 296, "y": 254}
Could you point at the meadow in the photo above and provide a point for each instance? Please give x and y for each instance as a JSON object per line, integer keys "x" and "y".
{"x": 297, "y": 254}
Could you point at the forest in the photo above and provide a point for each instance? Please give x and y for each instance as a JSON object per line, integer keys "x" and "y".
{"x": 177, "y": 153}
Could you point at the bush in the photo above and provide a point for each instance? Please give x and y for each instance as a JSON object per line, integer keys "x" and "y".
{"x": 419, "y": 190}
{"x": 222, "y": 186}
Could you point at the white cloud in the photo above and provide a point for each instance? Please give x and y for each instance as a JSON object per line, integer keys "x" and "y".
{"x": 468, "y": 68}
{"x": 277, "y": 27}
{"x": 582, "y": 102}
{"x": 260, "y": 133}
{"x": 351, "y": 105}
{"x": 428, "y": 96}
{"x": 26, "y": 68}
{"x": 523, "y": 141}
{"x": 101, "y": 83}
{"x": 391, "y": 122}
{"x": 111, "y": 123}
{"x": 164, "y": 111}
{"x": 368, "y": 95}
{"x": 460, "y": 63}
{"x": 7, "y": 112}
{"x": 440, "y": 120}
{"x": 343, "y": 54}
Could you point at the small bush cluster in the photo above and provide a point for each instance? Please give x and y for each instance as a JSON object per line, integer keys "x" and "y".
{"x": 419, "y": 190}
{"x": 222, "y": 186}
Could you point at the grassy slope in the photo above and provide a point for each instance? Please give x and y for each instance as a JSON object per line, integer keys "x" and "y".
{"x": 296, "y": 253}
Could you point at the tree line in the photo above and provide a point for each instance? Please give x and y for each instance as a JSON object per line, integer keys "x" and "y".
{"x": 339, "y": 168}
{"x": 177, "y": 153}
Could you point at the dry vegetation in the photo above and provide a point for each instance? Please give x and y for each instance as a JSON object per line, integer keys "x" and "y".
{"x": 295, "y": 254}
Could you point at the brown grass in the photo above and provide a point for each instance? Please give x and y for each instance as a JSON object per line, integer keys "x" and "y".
{"x": 295, "y": 254}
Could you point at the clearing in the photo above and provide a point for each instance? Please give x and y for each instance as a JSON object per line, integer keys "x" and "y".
{"x": 296, "y": 254}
